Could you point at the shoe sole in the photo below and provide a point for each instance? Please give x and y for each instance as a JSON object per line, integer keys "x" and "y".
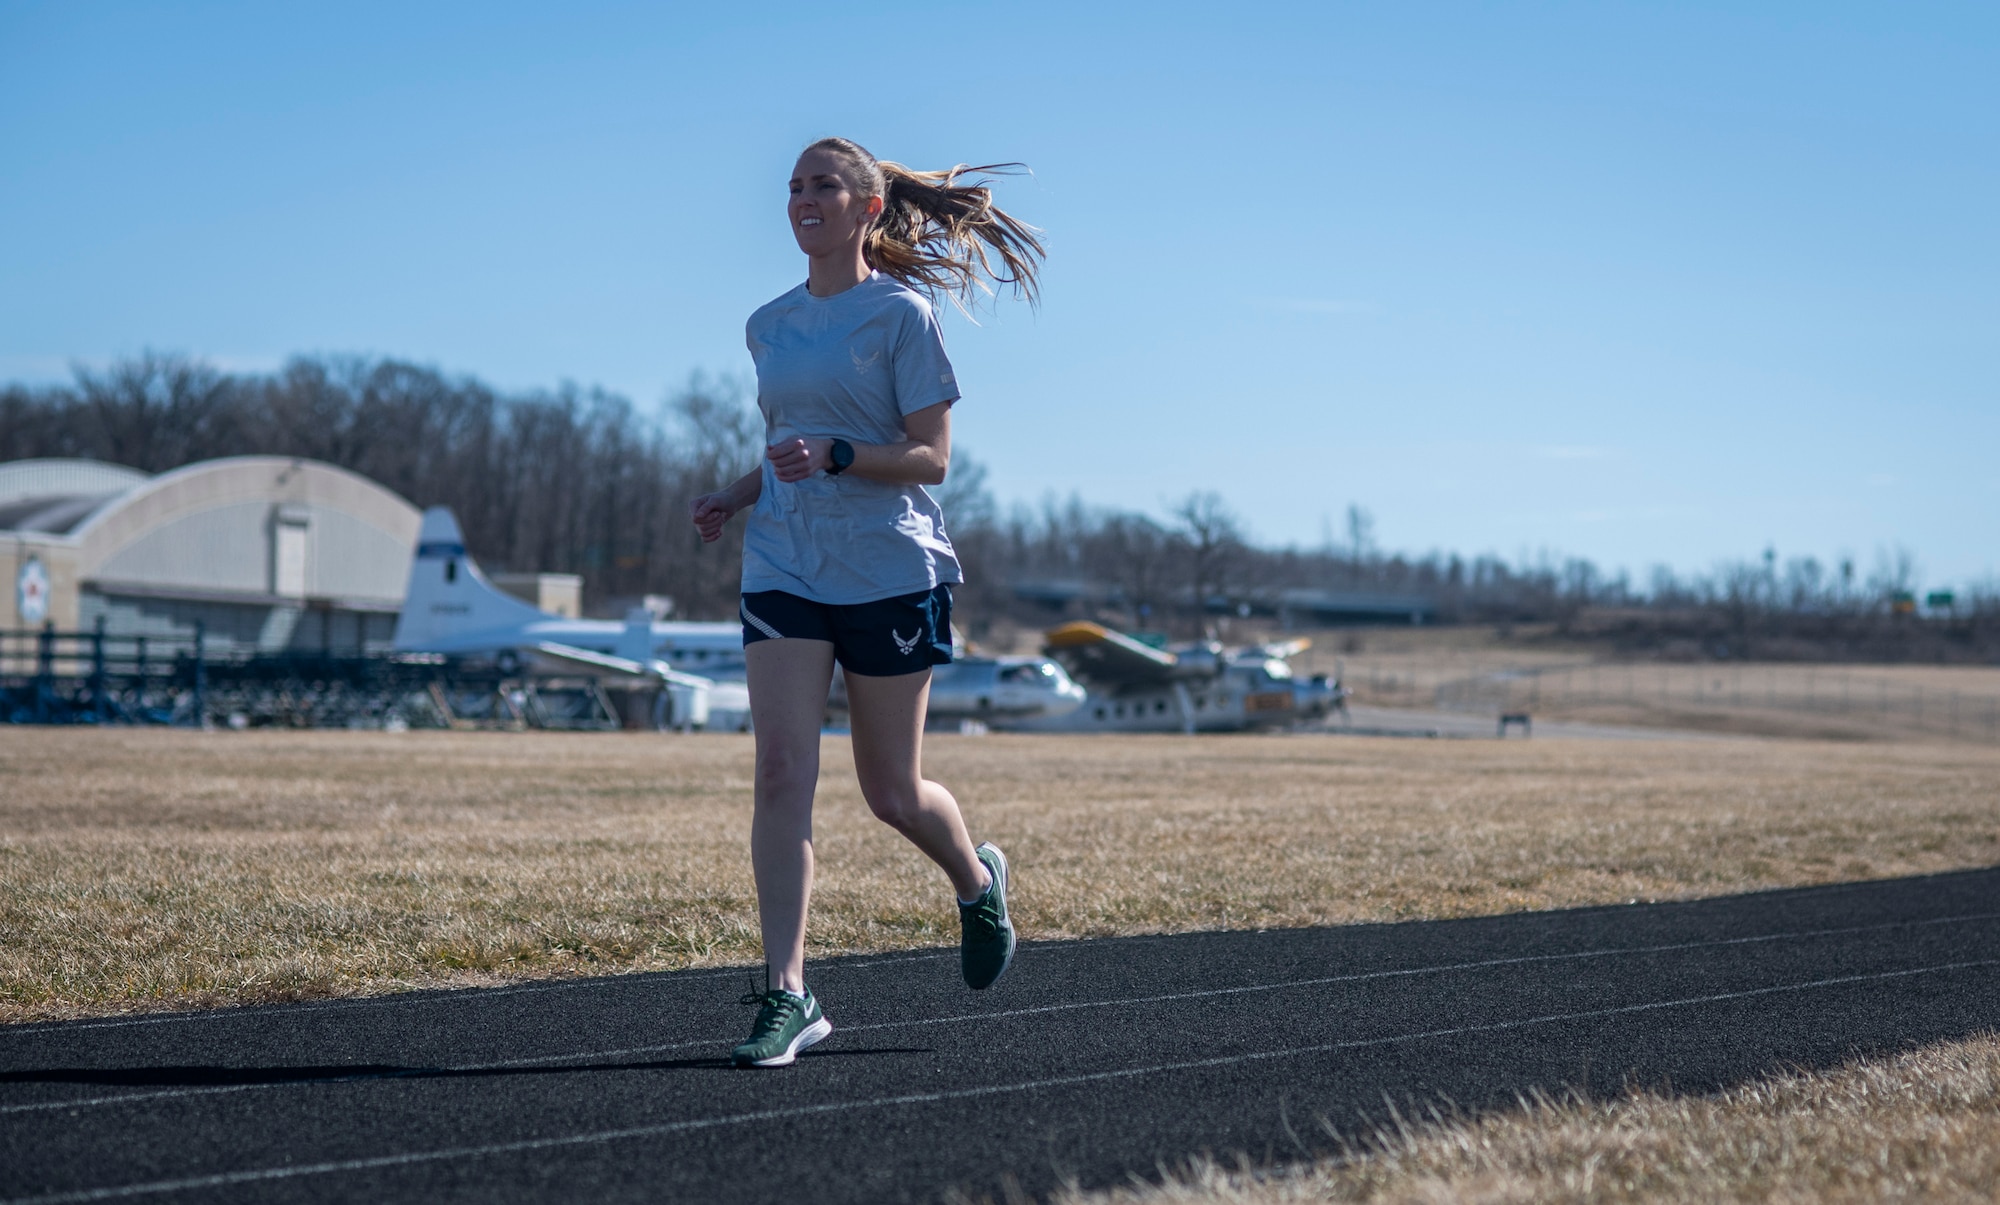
{"x": 810, "y": 1035}
{"x": 1008, "y": 961}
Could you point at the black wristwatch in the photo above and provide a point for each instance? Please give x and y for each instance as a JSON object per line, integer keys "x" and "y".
{"x": 839, "y": 458}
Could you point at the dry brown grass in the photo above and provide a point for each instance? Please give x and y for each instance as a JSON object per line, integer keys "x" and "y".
{"x": 1923, "y": 1126}
{"x": 1460, "y": 669}
{"x": 1789, "y": 723}
{"x": 153, "y": 868}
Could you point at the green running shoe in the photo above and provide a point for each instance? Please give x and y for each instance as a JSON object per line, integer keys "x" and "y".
{"x": 988, "y": 945}
{"x": 786, "y": 1024}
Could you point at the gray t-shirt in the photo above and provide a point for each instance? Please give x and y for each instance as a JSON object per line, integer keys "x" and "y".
{"x": 849, "y": 366}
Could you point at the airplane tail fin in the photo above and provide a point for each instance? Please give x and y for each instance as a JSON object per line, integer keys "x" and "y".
{"x": 447, "y": 595}
{"x": 635, "y": 643}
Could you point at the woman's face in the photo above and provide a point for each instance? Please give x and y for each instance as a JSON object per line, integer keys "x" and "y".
{"x": 827, "y": 213}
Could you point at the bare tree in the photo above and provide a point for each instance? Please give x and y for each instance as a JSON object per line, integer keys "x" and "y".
{"x": 1135, "y": 555}
{"x": 1360, "y": 537}
{"x": 153, "y": 413}
{"x": 963, "y": 497}
{"x": 1212, "y": 538}
{"x": 720, "y": 438}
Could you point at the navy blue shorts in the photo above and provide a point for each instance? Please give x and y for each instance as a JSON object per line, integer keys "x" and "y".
{"x": 879, "y": 639}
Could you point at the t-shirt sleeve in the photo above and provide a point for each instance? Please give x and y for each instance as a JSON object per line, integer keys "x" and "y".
{"x": 923, "y": 372}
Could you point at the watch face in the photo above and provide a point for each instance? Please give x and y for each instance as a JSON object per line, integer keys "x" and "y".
{"x": 842, "y": 454}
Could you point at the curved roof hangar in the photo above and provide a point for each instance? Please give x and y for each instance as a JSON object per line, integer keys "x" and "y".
{"x": 250, "y": 529}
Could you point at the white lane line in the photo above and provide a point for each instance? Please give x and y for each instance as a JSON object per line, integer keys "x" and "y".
{"x": 261, "y": 1175}
{"x": 1365, "y": 976}
{"x": 583, "y": 1058}
{"x": 461, "y": 995}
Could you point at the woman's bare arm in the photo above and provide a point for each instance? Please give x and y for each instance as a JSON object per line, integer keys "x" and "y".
{"x": 922, "y": 459}
{"x": 745, "y": 490}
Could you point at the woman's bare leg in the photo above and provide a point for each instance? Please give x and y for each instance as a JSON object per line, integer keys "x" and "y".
{"x": 788, "y": 684}
{"x": 887, "y": 717}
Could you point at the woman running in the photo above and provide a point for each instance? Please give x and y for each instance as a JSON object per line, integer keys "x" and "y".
{"x": 845, "y": 557}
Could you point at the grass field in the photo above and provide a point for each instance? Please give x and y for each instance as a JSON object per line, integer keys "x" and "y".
{"x": 151, "y": 868}
{"x": 1923, "y": 1126}
{"x": 1471, "y": 669}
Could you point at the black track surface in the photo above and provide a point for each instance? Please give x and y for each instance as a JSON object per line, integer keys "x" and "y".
{"x": 1091, "y": 1060}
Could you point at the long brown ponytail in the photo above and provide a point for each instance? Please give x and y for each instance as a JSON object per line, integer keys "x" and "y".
{"x": 938, "y": 235}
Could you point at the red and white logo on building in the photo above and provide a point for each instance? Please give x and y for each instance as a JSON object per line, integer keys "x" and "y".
{"x": 31, "y": 591}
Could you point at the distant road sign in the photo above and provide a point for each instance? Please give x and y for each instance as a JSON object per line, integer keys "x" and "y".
{"x": 1940, "y": 600}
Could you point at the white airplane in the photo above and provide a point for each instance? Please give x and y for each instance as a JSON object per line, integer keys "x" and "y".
{"x": 1198, "y": 687}
{"x": 450, "y": 608}
{"x": 994, "y": 691}
{"x": 998, "y": 690}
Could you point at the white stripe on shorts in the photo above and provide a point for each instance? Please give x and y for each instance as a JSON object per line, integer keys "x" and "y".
{"x": 757, "y": 623}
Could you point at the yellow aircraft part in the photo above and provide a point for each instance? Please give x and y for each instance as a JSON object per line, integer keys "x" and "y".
{"x": 1075, "y": 635}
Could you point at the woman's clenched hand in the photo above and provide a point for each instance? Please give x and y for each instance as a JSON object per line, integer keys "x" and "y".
{"x": 710, "y": 512}
{"x": 798, "y": 459}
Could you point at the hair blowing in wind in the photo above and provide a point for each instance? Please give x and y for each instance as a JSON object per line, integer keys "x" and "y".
{"x": 941, "y": 236}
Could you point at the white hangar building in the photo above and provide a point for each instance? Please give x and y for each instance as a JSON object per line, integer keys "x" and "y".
{"x": 266, "y": 552}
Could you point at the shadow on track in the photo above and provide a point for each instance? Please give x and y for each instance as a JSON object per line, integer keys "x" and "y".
{"x": 202, "y": 1076}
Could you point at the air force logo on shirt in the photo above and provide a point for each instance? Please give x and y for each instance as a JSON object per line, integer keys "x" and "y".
{"x": 906, "y": 647}
{"x": 864, "y": 367}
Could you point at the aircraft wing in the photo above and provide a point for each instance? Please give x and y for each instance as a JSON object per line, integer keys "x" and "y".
{"x": 1107, "y": 658}
{"x": 608, "y": 664}
{"x": 603, "y": 663}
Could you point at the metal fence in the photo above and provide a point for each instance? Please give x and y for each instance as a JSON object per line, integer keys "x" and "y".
{"x": 95, "y": 677}
{"x": 53, "y": 677}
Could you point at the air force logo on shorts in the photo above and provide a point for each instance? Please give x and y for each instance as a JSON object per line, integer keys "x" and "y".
{"x": 906, "y": 647}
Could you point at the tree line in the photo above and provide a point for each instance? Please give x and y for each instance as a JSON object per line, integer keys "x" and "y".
{"x": 566, "y": 481}
{"x": 581, "y": 481}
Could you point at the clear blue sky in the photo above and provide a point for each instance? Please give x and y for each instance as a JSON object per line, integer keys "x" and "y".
{"x": 1641, "y": 282}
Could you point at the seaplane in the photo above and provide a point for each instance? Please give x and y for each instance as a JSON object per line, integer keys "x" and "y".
{"x": 1133, "y": 686}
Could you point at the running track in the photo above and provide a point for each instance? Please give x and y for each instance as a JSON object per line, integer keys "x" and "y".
{"x": 1091, "y": 1060}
